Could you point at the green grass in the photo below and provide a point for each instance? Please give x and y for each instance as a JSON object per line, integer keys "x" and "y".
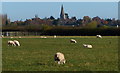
{"x": 37, "y": 54}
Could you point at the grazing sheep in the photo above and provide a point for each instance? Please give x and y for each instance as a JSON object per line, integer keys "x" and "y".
{"x": 87, "y": 46}
{"x": 43, "y": 37}
{"x": 59, "y": 58}
{"x": 98, "y": 36}
{"x": 73, "y": 41}
{"x": 19, "y": 37}
{"x": 12, "y": 43}
{"x": 11, "y": 37}
{"x": 16, "y": 43}
{"x": 54, "y": 36}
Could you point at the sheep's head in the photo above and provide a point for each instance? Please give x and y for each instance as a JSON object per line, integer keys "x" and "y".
{"x": 56, "y": 58}
{"x": 84, "y": 45}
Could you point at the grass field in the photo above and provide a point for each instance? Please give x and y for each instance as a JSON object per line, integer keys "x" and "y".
{"x": 37, "y": 54}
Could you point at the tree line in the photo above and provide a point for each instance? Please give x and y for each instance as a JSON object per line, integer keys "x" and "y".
{"x": 68, "y": 26}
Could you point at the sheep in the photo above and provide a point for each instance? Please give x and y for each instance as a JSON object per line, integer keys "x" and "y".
{"x": 98, "y": 36}
{"x": 17, "y": 43}
{"x": 59, "y": 58}
{"x": 11, "y": 37}
{"x": 87, "y": 46}
{"x": 73, "y": 41}
{"x": 43, "y": 37}
{"x": 12, "y": 43}
{"x": 19, "y": 37}
{"x": 54, "y": 36}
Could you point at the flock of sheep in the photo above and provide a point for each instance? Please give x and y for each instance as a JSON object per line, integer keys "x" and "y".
{"x": 58, "y": 57}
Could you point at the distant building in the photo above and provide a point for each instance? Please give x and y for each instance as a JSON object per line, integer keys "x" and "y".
{"x": 62, "y": 14}
{"x": 5, "y": 19}
{"x": 66, "y": 16}
{"x": 36, "y": 16}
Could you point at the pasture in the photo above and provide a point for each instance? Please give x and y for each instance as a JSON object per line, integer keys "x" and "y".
{"x": 37, "y": 54}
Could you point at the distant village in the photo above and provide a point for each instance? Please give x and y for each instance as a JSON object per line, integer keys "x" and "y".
{"x": 64, "y": 20}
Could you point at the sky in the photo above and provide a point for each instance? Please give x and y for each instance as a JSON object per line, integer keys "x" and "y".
{"x": 60, "y": 0}
{"x": 27, "y": 10}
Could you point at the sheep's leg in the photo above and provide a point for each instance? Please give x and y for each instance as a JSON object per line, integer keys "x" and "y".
{"x": 58, "y": 62}
{"x": 63, "y": 62}
{"x": 14, "y": 45}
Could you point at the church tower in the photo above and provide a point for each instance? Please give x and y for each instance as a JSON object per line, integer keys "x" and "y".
{"x": 62, "y": 14}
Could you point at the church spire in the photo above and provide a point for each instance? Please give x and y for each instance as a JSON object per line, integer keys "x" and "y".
{"x": 62, "y": 14}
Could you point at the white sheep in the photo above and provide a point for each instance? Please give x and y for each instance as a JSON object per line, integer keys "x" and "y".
{"x": 87, "y": 46}
{"x": 43, "y": 37}
{"x": 19, "y": 37}
{"x": 59, "y": 58}
{"x": 98, "y": 36}
{"x": 16, "y": 43}
{"x": 12, "y": 43}
{"x": 11, "y": 37}
{"x": 73, "y": 41}
{"x": 54, "y": 36}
